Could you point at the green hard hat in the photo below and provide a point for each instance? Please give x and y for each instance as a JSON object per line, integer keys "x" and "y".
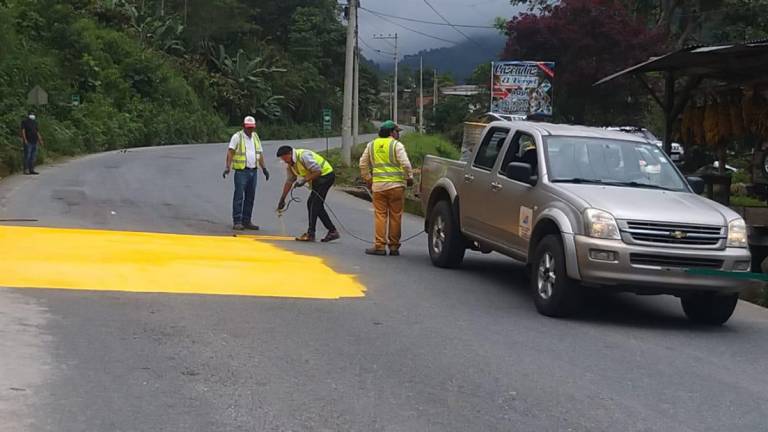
{"x": 389, "y": 124}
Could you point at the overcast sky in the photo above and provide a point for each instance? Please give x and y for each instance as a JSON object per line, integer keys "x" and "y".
{"x": 471, "y": 12}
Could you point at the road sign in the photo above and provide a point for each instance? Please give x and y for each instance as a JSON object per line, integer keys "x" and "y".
{"x": 75, "y": 100}
{"x": 326, "y": 119}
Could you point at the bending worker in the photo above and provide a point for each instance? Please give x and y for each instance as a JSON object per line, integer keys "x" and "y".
{"x": 308, "y": 167}
{"x": 387, "y": 170}
{"x": 243, "y": 155}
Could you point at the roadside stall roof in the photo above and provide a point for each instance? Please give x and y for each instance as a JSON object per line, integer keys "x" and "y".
{"x": 730, "y": 63}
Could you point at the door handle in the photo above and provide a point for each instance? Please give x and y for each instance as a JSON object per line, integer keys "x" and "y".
{"x": 495, "y": 186}
{"x": 468, "y": 178}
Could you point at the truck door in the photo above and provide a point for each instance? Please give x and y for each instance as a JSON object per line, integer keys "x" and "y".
{"x": 514, "y": 202}
{"x": 476, "y": 192}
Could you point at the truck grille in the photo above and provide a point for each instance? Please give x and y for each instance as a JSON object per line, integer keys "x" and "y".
{"x": 673, "y": 234}
{"x": 674, "y": 262}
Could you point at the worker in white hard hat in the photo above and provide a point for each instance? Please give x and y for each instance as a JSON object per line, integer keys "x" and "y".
{"x": 245, "y": 155}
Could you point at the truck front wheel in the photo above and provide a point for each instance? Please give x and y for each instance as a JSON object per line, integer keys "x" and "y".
{"x": 554, "y": 293}
{"x": 709, "y": 308}
{"x": 446, "y": 243}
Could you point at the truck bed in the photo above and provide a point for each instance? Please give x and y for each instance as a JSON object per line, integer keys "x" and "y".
{"x": 436, "y": 168}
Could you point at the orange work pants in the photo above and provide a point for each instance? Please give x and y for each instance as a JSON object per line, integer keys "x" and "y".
{"x": 388, "y": 216}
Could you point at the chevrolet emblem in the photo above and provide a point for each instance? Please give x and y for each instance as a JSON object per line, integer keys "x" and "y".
{"x": 678, "y": 234}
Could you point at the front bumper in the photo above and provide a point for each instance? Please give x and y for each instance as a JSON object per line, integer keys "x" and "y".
{"x": 623, "y": 274}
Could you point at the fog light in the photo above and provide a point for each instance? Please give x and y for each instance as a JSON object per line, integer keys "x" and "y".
{"x": 742, "y": 265}
{"x": 602, "y": 255}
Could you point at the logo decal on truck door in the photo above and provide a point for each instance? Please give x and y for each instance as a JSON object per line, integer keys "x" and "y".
{"x": 526, "y": 220}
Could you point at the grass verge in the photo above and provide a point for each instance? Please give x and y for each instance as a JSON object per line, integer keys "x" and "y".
{"x": 418, "y": 146}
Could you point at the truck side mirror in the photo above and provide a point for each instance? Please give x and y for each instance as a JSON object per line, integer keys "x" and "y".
{"x": 519, "y": 171}
{"x": 697, "y": 184}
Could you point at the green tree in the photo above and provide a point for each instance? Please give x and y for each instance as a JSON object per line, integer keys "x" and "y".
{"x": 449, "y": 117}
{"x": 244, "y": 85}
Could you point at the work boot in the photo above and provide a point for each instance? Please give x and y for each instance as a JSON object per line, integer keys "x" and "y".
{"x": 331, "y": 236}
{"x": 251, "y": 227}
{"x": 238, "y": 227}
{"x": 306, "y": 237}
{"x": 374, "y": 251}
{"x": 394, "y": 252}
{"x": 33, "y": 172}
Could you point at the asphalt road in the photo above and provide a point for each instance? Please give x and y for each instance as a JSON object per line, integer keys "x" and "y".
{"x": 424, "y": 350}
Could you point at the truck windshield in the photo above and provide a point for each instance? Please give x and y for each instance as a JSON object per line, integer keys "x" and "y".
{"x": 611, "y": 162}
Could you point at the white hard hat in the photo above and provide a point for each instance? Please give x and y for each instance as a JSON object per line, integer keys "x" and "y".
{"x": 249, "y": 121}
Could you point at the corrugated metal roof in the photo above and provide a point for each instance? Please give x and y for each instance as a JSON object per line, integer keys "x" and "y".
{"x": 728, "y": 62}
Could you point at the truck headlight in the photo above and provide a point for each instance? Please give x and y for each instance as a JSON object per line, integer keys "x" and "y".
{"x": 601, "y": 224}
{"x": 737, "y": 233}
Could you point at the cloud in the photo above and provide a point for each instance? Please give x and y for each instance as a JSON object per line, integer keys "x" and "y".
{"x": 471, "y": 12}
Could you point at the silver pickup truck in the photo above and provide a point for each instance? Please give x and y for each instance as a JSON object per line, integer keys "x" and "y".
{"x": 586, "y": 207}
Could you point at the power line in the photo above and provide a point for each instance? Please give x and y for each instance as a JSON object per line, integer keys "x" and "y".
{"x": 449, "y": 23}
{"x": 410, "y": 29}
{"x": 427, "y": 22}
{"x": 378, "y": 51}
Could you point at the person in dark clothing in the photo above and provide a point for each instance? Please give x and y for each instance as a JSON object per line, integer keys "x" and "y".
{"x": 308, "y": 167}
{"x": 30, "y": 138}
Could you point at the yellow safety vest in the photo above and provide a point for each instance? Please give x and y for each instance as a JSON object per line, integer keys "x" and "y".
{"x": 239, "y": 159}
{"x": 300, "y": 170}
{"x": 385, "y": 167}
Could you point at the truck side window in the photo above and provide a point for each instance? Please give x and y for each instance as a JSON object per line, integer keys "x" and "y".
{"x": 521, "y": 149}
{"x": 490, "y": 149}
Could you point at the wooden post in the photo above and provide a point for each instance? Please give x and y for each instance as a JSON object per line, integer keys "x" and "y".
{"x": 669, "y": 111}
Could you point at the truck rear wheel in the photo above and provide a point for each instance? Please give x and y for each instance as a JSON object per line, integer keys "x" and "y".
{"x": 709, "y": 308}
{"x": 446, "y": 243}
{"x": 554, "y": 293}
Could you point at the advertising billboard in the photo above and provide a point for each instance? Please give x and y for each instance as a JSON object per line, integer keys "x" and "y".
{"x": 522, "y": 87}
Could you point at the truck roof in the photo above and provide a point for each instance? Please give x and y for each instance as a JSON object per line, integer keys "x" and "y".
{"x": 572, "y": 130}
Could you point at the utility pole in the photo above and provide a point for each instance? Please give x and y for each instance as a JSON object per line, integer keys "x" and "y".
{"x": 388, "y": 84}
{"x": 421, "y": 94}
{"x": 394, "y": 103}
{"x": 356, "y": 100}
{"x": 349, "y": 70}
{"x": 435, "y": 92}
{"x": 391, "y": 96}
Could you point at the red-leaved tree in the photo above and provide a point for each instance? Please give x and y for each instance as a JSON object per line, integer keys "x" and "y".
{"x": 588, "y": 39}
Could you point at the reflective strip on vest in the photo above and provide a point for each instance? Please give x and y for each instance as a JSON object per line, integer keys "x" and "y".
{"x": 300, "y": 170}
{"x": 384, "y": 164}
{"x": 239, "y": 160}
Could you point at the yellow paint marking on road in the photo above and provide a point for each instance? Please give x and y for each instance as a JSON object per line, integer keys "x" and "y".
{"x": 163, "y": 263}
{"x": 265, "y": 237}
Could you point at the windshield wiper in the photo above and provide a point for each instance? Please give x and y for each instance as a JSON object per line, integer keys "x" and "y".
{"x": 638, "y": 185}
{"x": 577, "y": 180}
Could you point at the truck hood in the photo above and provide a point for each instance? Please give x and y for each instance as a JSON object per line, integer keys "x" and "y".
{"x": 652, "y": 205}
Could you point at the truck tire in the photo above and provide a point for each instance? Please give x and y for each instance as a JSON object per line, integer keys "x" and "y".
{"x": 709, "y": 308}
{"x": 554, "y": 293}
{"x": 446, "y": 243}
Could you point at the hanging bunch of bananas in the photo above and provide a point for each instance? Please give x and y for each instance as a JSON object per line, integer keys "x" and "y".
{"x": 714, "y": 119}
{"x": 711, "y": 116}
{"x": 735, "y": 113}
{"x": 755, "y": 113}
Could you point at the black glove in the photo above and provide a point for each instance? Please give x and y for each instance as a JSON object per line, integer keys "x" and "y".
{"x": 299, "y": 183}
{"x": 266, "y": 173}
{"x": 225, "y": 174}
{"x": 409, "y": 182}
{"x": 281, "y": 204}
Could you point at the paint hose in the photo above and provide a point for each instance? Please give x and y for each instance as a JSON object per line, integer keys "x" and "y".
{"x": 295, "y": 199}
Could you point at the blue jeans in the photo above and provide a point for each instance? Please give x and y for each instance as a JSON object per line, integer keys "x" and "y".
{"x": 30, "y": 155}
{"x": 245, "y": 192}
